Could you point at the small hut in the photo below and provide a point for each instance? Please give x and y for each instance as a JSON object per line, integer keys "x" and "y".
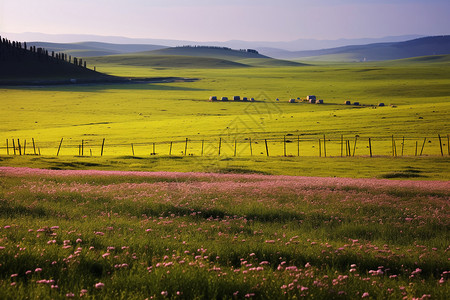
{"x": 224, "y": 99}
{"x": 348, "y": 102}
{"x": 237, "y": 98}
{"x": 213, "y": 98}
{"x": 292, "y": 100}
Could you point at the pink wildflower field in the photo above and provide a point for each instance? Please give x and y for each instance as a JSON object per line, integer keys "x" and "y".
{"x": 163, "y": 235}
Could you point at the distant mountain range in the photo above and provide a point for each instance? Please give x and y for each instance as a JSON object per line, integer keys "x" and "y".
{"x": 436, "y": 45}
{"x": 296, "y": 45}
{"x": 271, "y": 56}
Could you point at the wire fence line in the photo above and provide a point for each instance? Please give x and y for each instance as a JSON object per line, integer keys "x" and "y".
{"x": 285, "y": 145}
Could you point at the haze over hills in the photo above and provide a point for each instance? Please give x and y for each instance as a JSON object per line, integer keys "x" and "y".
{"x": 436, "y": 45}
{"x": 296, "y": 45}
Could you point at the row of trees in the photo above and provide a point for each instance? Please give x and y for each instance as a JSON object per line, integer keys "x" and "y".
{"x": 217, "y": 47}
{"x": 17, "y": 50}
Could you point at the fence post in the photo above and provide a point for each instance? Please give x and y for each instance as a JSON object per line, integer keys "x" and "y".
{"x": 320, "y": 148}
{"x": 393, "y": 146}
{"x": 220, "y": 144}
{"x": 185, "y": 147}
{"x": 14, "y": 146}
{"x": 235, "y": 146}
{"x": 370, "y": 147}
{"x": 403, "y": 145}
{"x": 154, "y": 149}
{"x": 324, "y": 147}
{"x": 90, "y": 150}
{"x": 346, "y": 147}
{"x": 251, "y": 150}
{"x": 440, "y": 144}
{"x": 349, "y": 148}
{"x": 34, "y": 146}
{"x": 170, "y": 149}
{"x": 7, "y": 147}
{"x": 82, "y": 148}
{"x": 132, "y": 149}
{"x": 24, "y": 146}
{"x": 20, "y": 148}
{"x": 203, "y": 142}
{"x": 60, "y": 143}
{"x": 354, "y": 146}
{"x": 423, "y": 145}
{"x": 103, "y": 145}
{"x": 267, "y": 147}
{"x": 416, "y": 149}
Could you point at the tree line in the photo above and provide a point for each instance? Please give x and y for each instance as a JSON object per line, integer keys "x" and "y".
{"x": 17, "y": 50}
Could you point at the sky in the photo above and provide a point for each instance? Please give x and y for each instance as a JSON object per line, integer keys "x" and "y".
{"x": 223, "y": 20}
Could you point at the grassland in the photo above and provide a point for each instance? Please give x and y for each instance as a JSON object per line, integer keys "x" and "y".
{"x": 134, "y": 235}
{"x": 126, "y": 235}
{"x": 160, "y": 113}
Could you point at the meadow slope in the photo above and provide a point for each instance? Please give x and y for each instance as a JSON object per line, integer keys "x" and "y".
{"x": 135, "y": 235}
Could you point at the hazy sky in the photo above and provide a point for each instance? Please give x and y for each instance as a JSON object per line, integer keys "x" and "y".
{"x": 221, "y": 20}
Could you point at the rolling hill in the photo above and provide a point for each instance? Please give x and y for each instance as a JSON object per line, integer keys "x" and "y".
{"x": 194, "y": 57}
{"x": 436, "y": 45}
{"x": 88, "y": 49}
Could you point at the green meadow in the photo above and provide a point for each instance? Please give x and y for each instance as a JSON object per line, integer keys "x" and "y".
{"x": 213, "y": 220}
{"x": 149, "y": 115}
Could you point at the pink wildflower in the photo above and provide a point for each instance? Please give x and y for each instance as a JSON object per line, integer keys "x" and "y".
{"x": 366, "y": 294}
{"x": 99, "y": 285}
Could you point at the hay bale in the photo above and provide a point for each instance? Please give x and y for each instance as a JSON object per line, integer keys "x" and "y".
{"x": 381, "y": 104}
{"x": 312, "y": 101}
{"x": 311, "y": 97}
{"x": 292, "y": 100}
{"x": 245, "y": 99}
{"x": 348, "y": 102}
{"x": 356, "y": 103}
{"x": 213, "y": 98}
{"x": 252, "y": 99}
{"x": 319, "y": 101}
{"x": 237, "y": 98}
{"x": 224, "y": 99}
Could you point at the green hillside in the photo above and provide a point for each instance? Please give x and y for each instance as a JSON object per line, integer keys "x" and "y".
{"x": 193, "y": 57}
{"x": 87, "y": 49}
{"x": 165, "y": 61}
{"x": 211, "y": 52}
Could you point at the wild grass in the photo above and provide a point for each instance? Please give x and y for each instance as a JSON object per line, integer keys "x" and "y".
{"x": 202, "y": 236}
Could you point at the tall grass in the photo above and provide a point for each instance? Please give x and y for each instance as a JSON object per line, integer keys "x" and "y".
{"x": 197, "y": 236}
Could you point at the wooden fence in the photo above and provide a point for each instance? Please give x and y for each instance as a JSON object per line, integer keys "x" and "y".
{"x": 287, "y": 145}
